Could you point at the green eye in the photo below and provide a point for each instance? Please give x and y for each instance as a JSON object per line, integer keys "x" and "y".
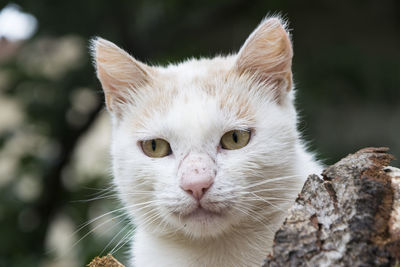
{"x": 156, "y": 148}
{"x": 235, "y": 139}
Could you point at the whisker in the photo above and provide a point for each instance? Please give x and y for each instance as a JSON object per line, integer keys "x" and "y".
{"x": 101, "y": 194}
{"x": 246, "y": 212}
{"x": 109, "y": 196}
{"x": 267, "y": 197}
{"x": 111, "y": 212}
{"x": 273, "y": 189}
{"x": 95, "y": 228}
{"x": 125, "y": 239}
{"x": 270, "y": 180}
{"x": 112, "y": 240}
{"x": 266, "y": 201}
{"x": 147, "y": 220}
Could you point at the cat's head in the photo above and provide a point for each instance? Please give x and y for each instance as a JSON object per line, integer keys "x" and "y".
{"x": 207, "y": 145}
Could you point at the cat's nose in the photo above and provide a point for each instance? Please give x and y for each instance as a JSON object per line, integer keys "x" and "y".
{"x": 197, "y": 185}
{"x": 197, "y": 173}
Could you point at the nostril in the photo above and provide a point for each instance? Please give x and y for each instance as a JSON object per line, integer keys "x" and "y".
{"x": 189, "y": 191}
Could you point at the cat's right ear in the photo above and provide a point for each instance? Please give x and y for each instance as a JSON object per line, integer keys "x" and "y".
{"x": 119, "y": 73}
{"x": 267, "y": 56}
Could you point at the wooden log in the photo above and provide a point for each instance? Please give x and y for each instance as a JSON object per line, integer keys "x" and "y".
{"x": 349, "y": 217}
{"x": 106, "y": 261}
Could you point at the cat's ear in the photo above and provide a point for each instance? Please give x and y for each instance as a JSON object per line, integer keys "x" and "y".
{"x": 119, "y": 73}
{"x": 267, "y": 56}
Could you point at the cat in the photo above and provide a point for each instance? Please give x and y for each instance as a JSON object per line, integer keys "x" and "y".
{"x": 206, "y": 154}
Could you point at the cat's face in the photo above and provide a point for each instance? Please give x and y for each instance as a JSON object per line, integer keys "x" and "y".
{"x": 204, "y": 146}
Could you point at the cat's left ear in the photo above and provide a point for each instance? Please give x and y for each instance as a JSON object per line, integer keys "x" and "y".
{"x": 120, "y": 74}
{"x": 267, "y": 56}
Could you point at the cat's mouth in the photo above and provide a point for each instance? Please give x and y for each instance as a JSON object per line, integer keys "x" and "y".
{"x": 200, "y": 213}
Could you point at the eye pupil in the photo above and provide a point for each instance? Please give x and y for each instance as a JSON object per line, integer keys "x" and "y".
{"x": 156, "y": 148}
{"x": 235, "y": 137}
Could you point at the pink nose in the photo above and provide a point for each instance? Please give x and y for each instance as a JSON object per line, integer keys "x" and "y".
{"x": 197, "y": 186}
{"x": 197, "y": 174}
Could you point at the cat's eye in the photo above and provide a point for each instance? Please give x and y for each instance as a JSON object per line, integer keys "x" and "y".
{"x": 235, "y": 139}
{"x": 156, "y": 148}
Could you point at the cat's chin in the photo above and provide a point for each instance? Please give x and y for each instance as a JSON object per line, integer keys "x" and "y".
{"x": 203, "y": 223}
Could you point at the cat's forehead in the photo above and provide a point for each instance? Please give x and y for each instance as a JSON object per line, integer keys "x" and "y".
{"x": 196, "y": 93}
{"x": 204, "y": 79}
{"x": 194, "y": 76}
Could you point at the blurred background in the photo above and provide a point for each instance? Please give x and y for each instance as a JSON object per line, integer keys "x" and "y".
{"x": 54, "y": 131}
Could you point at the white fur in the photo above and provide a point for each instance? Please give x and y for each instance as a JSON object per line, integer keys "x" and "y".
{"x": 191, "y": 105}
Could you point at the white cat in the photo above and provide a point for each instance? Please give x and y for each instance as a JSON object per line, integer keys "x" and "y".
{"x": 206, "y": 155}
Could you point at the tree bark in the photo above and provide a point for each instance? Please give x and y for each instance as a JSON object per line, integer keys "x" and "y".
{"x": 106, "y": 261}
{"x": 349, "y": 217}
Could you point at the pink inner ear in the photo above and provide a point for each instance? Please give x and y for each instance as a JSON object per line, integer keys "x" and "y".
{"x": 267, "y": 53}
{"x": 111, "y": 87}
{"x": 119, "y": 73}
